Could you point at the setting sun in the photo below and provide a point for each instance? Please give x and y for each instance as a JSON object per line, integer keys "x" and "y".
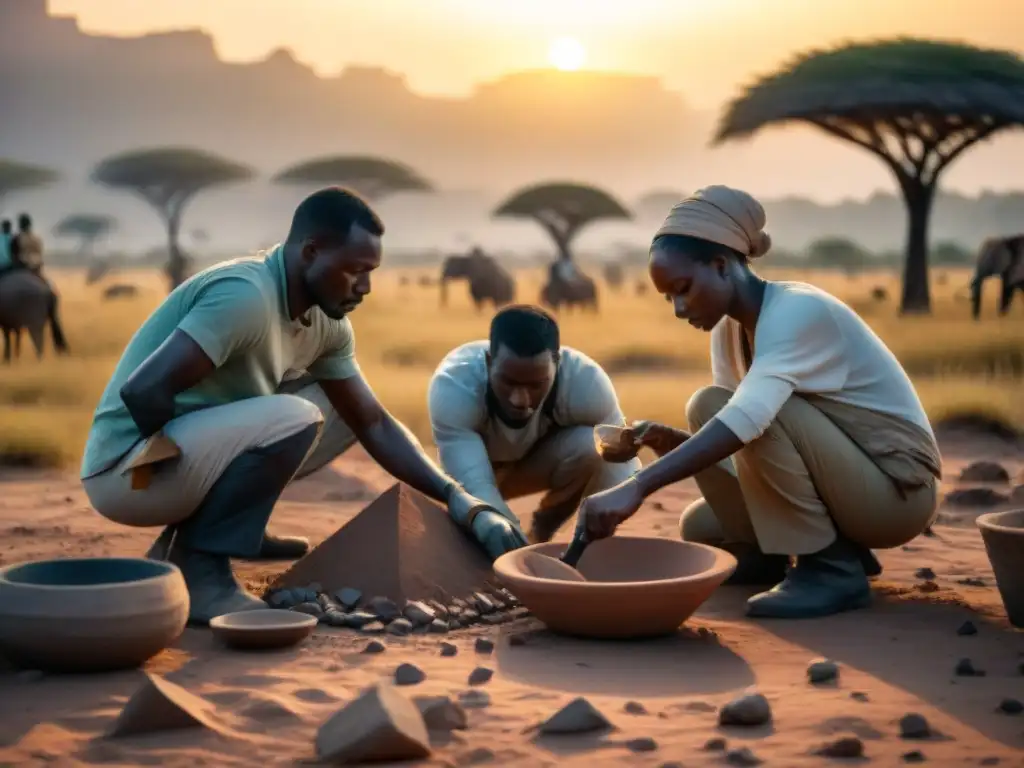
{"x": 567, "y": 54}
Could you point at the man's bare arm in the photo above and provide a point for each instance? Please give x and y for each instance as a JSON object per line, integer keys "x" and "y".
{"x": 386, "y": 440}
{"x": 176, "y": 365}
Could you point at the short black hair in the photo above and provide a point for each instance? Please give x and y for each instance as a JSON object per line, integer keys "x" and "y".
{"x": 330, "y": 213}
{"x": 24, "y": 221}
{"x": 695, "y": 248}
{"x": 525, "y": 330}
{"x": 5, "y": 225}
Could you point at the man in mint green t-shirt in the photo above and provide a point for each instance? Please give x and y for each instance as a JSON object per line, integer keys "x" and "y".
{"x": 249, "y": 369}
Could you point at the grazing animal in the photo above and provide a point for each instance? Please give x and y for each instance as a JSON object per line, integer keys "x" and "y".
{"x": 120, "y": 291}
{"x": 28, "y": 301}
{"x": 1002, "y": 256}
{"x": 488, "y": 280}
{"x": 568, "y": 286}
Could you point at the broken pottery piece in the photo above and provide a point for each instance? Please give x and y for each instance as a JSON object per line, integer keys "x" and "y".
{"x": 380, "y": 725}
{"x": 160, "y": 705}
{"x": 263, "y": 629}
{"x": 90, "y": 614}
{"x": 650, "y": 585}
{"x": 616, "y": 444}
{"x": 1003, "y": 535}
{"x": 546, "y": 567}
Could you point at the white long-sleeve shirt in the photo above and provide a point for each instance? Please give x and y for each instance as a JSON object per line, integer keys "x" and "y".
{"x": 807, "y": 341}
{"x": 470, "y": 440}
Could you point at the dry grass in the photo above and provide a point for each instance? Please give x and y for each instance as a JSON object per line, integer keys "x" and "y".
{"x": 959, "y": 366}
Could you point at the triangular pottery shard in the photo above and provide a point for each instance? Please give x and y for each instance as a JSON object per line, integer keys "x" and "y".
{"x": 402, "y": 546}
{"x": 160, "y": 705}
{"x": 578, "y": 716}
{"x": 380, "y": 725}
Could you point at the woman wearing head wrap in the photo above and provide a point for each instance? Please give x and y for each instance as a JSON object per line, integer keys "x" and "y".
{"x": 811, "y": 442}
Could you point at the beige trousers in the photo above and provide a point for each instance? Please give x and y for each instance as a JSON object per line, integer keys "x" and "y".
{"x": 790, "y": 489}
{"x": 210, "y": 439}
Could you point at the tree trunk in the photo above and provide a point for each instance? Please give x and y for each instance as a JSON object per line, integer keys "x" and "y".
{"x": 177, "y": 263}
{"x": 918, "y": 198}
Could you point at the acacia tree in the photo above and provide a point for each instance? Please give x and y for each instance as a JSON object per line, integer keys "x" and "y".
{"x": 89, "y": 228}
{"x": 15, "y": 176}
{"x": 168, "y": 179}
{"x": 372, "y": 177}
{"x": 562, "y": 209}
{"x": 915, "y": 104}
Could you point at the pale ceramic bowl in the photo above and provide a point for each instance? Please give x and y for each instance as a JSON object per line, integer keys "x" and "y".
{"x": 263, "y": 629}
{"x": 1003, "y": 535}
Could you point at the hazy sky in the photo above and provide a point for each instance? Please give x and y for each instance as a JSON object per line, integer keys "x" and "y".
{"x": 704, "y": 48}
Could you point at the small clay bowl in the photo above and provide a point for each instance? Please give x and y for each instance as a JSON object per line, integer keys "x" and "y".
{"x": 636, "y": 586}
{"x": 614, "y": 444}
{"x": 263, "y": 629}
{"x": 1003, "y": 536}
{"x": 90, "y": 614}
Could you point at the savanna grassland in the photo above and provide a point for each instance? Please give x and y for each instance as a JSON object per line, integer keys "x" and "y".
{"x": 960, "y": 366}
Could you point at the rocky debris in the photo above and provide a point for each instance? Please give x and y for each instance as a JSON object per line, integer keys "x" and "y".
{"x": 859, "y": 696}
{"x": 311, "y": 608}
{"x": 419, "y": 613}
{"x": 749, "y": 709}
{"x": 373, "y": 628}
{"x": 438, "y": 626}
{"x": 634, "y": 708}
{"x": 913, "y": 756}
{"x": 984, "y": 472}
{"x": 476, "y": 756}
{"x": 717, "y": 744}
{"x": 742, "y": 757}
{"x": 480, "y": 675}
{"x": 327, "y": 603}
{"x": 924, "y": 573}
{"x": 847, "y": 746}
{"x": 483, "y": 645}
{"x": 914, "y": 726}
{"x": 383, "y": 608}
{"x": 967, "y": 628}
{"x": 375, "y": 646}
{"x": 440, "y": 713}
{"x": 359, "y": 619}
{"x": 516, "y": 640}
{"x": 348, "y": 597}
{"x": 1011, "y": 707}
{"x": 642, "y": 744}
{"x": 409, "y": 674}
{"x": 449, "y": 649}
{"x": 971, "y": 581}
{"x": 822, "y": 671}
{"x": 578, "y": 716}
{"x": 975, "y": 497}
{"x": 483, "y": 604}
{"x": 474, "y": 699}
{"x": 160, "y": 705}
{"x": 400, "y": 627}
{"x": 379, "y": 725}
{"x": 966, "y": 668}
{"x": 335, "y": 618}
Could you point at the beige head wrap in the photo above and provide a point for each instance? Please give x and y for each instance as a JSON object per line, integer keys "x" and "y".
{"x": 721, "y": 215}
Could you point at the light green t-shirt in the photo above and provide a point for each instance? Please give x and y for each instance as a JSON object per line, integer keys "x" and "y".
{"x": 5, "y": 250}
{"x": 237, "y": 312}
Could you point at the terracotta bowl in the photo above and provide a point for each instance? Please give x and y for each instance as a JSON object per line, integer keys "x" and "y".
{"x": 263, "y": 629}
{"x": 636, "y": 587}
{"x": 1003, "y": 534}
{"x": 90, "y": 614}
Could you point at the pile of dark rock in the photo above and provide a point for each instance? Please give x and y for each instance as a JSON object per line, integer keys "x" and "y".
{"x": 348, "y": 608}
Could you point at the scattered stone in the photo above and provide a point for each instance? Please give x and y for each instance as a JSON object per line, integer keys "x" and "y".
{"x": 975, "y": 497}
{"x": 326, "y": 603}
{"x": 717, "y": 744}
{"x": 578, "y": 716}
{"x": 313, "y": 609}
{"x": 440, "y": 610}
{"x": 475, "y": 699}
{"x": 440, "y": 713}
{"x": 822, "y": 671}
{"x": 360, "y": 619}
{"x": 847, "y": 746}
{"x": 480, "y": 675}
{"x": 483, "y": 603}
{"x": 859, "y": 696}
{"x": 373, "y": 628}
{"x": 989, "y": 761}
{"x": 400, "y": 627}
{"x": 468, "y": 616}
{"x": 420, "y": 614}
{"x": 160, "y": 705}
{"x": 438, "y": 627}
{"x": 348, "y": 597}
{"x": 315, "y": 587}
{"x": 379, "y": 725}
{"x": 966, "y": 668}
{"x": 280, "y": 598}
{"x": 483, "y": 645}
{"x": 375, "y": 646}
{"x": 971, "y": 581}
{"x": 1011, "y": 707}
{"x": 409, "y": 674}
{"x": 984, "y": 472}
{"x": 449, "y": 649}
{"x": 634, "y": 708}
{"x": 914, "y": 756}
{"x": 383, "y": 608}
{"x": 742, "y": 757}
{"x": 967, "y": 628}
{"x": 749, "y": 709}
{"x": 925, "y": 573}
{"x": 495, "y": 618}
{"x": 516, "y": 640}
{"x": 475, "y": 757}
{"x": 914, "y": 726}
{"x": 642, "y": 744}
{"x": 335, "y": 618}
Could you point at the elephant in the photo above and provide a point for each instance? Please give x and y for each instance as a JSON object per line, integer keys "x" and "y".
{"x": 488, "y": 280}
{"x": 1003, "y": 256}
{"x": 28, "y": 301}
{"x": 568, "y": 286}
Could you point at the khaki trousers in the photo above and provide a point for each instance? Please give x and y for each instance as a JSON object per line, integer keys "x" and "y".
{"x": 210, "y": 439}
{"x": 789, "y": 490}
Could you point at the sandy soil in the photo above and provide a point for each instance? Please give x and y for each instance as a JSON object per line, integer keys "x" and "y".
{"x": 895, "y": 658}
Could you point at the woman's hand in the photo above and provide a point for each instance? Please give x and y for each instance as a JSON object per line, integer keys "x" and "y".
{"x": 660, "y": 438}
{"x": 601, "y": 513}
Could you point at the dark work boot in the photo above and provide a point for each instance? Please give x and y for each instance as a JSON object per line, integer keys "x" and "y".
{"x": 821, "y": 584}
{"x": 212, "y": 587}
{"x": 754, "y": 567}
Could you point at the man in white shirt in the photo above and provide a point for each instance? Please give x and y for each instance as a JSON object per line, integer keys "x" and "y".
{"x": 514, "y": 415}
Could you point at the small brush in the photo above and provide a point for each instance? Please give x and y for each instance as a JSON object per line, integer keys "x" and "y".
{"x": 574, "y": 552}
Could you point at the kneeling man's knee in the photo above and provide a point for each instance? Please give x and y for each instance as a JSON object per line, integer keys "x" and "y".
{"x": 704, "y": 404}
{"x": 290, "y": 414}
{"x": 699, "y": 524}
